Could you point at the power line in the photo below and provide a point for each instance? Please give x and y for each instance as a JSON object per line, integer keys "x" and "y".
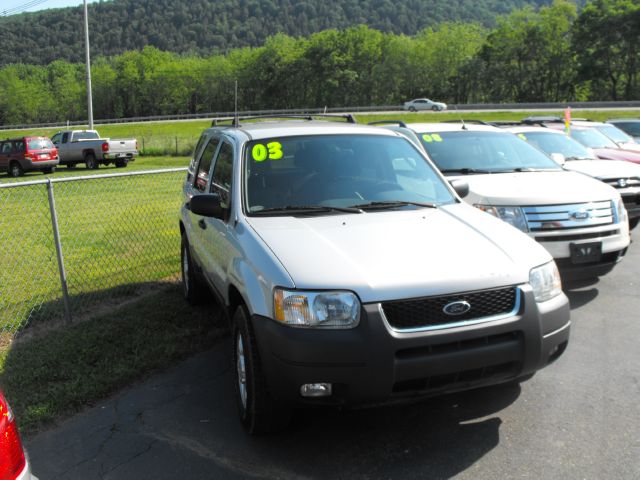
{"x": 23, "y": 7}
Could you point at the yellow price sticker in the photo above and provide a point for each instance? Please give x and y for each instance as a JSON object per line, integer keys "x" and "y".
{"x": 271, "y": 151}
{"x": 433, "y": 137}
{"x": 522, "y": 136}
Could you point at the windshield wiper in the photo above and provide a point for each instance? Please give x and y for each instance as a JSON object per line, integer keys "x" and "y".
{"x": 306, "y": 209}
{"x": 465, "y": 171}
{"x": 392, "y": 204}
{"x": 568, "y": 159}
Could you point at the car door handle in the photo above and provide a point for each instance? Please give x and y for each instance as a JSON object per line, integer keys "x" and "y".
{"x": 201, "y": 224}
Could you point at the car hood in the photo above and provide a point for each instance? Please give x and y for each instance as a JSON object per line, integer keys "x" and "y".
{"x": 604, "y": 169}
{"x": 535, "y": 188}
{"x": 616, "y": 154}
{"x": 401, "y": 254}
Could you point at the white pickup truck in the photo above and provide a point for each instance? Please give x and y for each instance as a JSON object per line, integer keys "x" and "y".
{"x": 86, "y": 146}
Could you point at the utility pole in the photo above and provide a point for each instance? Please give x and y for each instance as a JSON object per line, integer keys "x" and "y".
{"x": 88, "y": 59}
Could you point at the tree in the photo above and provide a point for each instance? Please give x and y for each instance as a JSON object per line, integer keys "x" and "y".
{"x": 606, "y": 40}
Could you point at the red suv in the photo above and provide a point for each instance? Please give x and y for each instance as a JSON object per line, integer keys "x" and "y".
{"x": 19, "y": 155}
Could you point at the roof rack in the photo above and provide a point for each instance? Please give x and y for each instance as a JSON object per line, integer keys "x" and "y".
{"x": 505, "y": 123}
{"x": 349, "y": 118}
{"x": 541, "y": 120}
{"x": 400, "y": 123}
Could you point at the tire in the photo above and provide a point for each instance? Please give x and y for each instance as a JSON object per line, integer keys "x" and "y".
{"x": 15, "y": 170}
{"x": 90, "y": 161}
{"x": 71, "y": 166}
{"x": 49, "y": 170}
{"x": 121, "y": 163}
{"x": 259, "y": 412}
{"x": 192, "y": 290}
{"x": 633, "y": 223}
{"x": 412, "y": 109}
{"x": 435, "y": 108}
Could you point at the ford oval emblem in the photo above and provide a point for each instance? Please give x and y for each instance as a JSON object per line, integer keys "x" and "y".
{"x": 581, "y": 214}
{"x": 459, "y": 307}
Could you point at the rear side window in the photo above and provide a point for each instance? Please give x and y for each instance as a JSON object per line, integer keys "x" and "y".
{"x": 204, "y": 165}
{"x": 86, "y": 136}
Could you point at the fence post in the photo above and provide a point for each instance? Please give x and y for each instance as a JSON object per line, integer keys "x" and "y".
{"x": 176, "y": 146}
{"x": 56, "y": 238}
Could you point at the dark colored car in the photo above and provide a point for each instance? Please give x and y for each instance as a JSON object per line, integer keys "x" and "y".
{"x": 26, "y": 154}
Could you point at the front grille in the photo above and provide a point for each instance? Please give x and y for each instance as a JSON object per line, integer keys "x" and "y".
{"x": 631, "y": 200}
{"x": 427, "y": 312}
{"x": 623, "y": 182}
{"x": 563, "y": 217}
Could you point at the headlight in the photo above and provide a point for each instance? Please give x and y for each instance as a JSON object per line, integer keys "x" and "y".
{"x": 316, "y": 309}
{"x": 621, "y": 212}
{"x": 545, "y": 281}
{"x": 512, "y": 215}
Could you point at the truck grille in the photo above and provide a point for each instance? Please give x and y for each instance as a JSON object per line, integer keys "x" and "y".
{"x": 564, "y": 217}
{"x": 428, "y": 313}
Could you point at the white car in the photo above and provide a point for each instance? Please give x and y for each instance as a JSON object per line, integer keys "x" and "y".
{"x": 581, "y": 222}
{"x": 624, "y": 141}
{"x": 424, "y": 104}
{"x": 572, "y": 155}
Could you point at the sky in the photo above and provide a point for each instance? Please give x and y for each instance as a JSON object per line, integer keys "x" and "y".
{"x": 19, "y": 6}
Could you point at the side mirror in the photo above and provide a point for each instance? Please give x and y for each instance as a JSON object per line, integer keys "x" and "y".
{"x": 558, "y": 158}
{"x": 207, "y": 205}
{"x": 461, "y": 187}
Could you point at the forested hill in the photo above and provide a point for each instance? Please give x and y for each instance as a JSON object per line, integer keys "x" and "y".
{"x": 214, "y": 26}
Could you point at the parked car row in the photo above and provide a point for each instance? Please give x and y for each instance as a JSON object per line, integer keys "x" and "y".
{"x": 67, "y": 147}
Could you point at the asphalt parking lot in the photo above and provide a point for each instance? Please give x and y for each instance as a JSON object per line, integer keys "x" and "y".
{"x": 577, "y": 419}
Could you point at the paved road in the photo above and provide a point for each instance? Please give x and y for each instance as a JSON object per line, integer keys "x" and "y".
{"x": 578, "y": 419}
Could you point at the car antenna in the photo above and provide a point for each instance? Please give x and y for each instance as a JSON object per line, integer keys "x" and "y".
{"x": 464, "y": 127}
{"x": 236, "y": 121}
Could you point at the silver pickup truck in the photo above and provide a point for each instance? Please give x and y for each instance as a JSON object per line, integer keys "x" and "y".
{"x": 86, "y": 146}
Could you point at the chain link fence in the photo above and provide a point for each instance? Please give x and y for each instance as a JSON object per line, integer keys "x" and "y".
{"x": 74, "y": 246}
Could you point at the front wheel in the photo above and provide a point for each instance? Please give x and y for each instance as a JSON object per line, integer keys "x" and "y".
{"x": 435, "y": 108}
{"x": 49, "y": 171}
{"x": 633, "y": 223}
{"x": 259, "y": 412}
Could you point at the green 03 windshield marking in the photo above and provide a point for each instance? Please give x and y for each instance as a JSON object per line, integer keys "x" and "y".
{"x": 271, "y": 151}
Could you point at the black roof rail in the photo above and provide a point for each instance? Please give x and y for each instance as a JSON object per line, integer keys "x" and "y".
{"x": 349, "y": 118}
{"x": 505, "y": 123}
{"x": 400, "y": 123}
{"x": 541, "y": 120}
{"x": 472, "y": 121}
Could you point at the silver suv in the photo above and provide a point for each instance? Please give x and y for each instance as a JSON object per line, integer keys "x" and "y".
{"x": 353, "y": 274}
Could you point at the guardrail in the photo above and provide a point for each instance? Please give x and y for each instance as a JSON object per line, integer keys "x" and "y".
{"x": 302, "y": 111}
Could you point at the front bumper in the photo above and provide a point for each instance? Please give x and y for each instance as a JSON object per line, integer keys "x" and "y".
{"x": 373, "y": 364}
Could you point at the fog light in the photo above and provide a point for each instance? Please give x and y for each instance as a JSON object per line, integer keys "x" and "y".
{"x": 315, "y": 390}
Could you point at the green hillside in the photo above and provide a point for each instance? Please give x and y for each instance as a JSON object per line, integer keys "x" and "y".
{"x": 206, "y": 27}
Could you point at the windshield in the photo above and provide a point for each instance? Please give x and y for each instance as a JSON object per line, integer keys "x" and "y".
{"x": 557, "y": 143}
{"x": 40, "y": 144}
{"x": 615, "y": 134}
{"x": 483, "y": 152}
{"x": 592, "y": 138}
{"x": 342, "y": 171}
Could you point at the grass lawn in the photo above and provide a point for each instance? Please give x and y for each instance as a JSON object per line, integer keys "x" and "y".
{"x": 55, "y": 375}
{"x": 116, "y": 233}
